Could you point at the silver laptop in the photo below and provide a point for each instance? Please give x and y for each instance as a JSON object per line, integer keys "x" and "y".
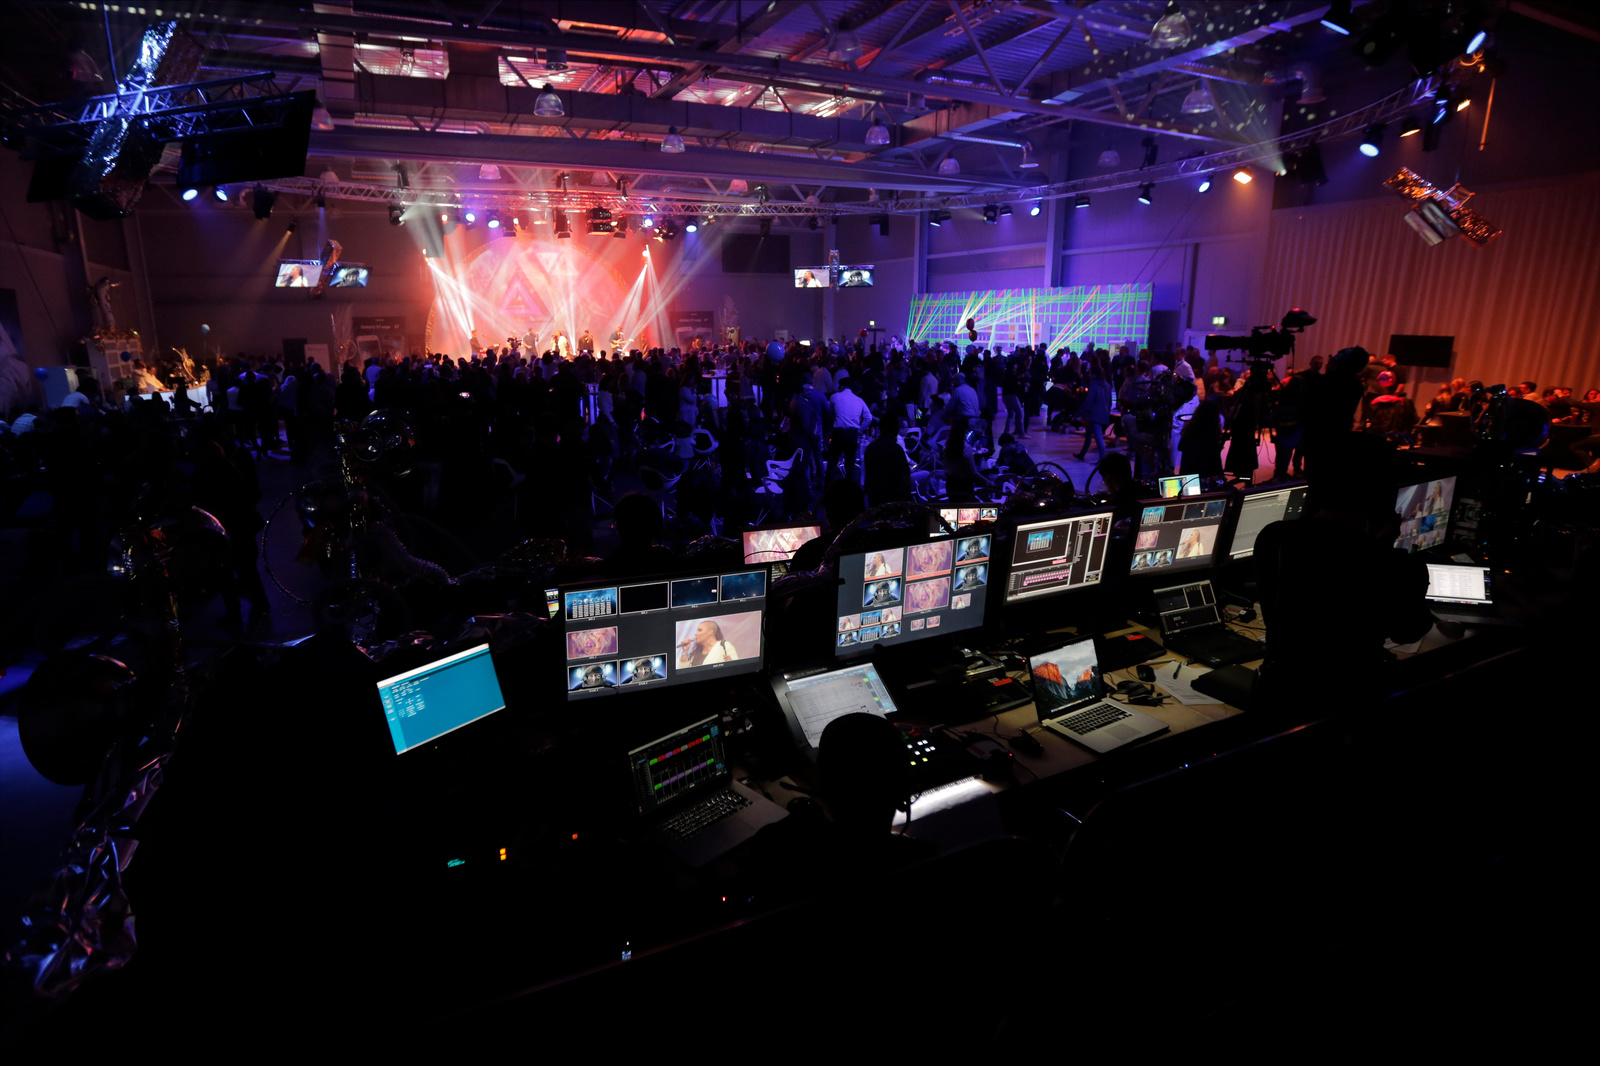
{"x": 684, "y": 788}
{"x": 1071, "y": 698}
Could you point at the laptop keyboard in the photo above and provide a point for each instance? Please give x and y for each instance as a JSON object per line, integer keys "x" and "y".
{"x": 1086, "y": 722}
{"x": 687, "y": 823}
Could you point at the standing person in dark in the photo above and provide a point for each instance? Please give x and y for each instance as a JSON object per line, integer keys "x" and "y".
{"x": 888, "y": 474}
{"x": 1333, "y": 586}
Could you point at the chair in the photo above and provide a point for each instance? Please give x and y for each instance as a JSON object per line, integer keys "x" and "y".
{"x": 660, "y": 485}
{"x": 778, "y": 469}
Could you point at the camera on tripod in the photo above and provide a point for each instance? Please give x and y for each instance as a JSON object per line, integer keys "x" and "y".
{"x": 1263, "y": 344}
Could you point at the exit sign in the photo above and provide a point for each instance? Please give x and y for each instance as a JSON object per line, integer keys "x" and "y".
{"x": 1219, "y": 320}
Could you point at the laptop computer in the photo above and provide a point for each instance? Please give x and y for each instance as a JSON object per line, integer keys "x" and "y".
{"x": 1458, "y": 593}
{"x": 1071, "y": 697}
{"x": 1192, "y": 626}
{"x": 684, "y": 789}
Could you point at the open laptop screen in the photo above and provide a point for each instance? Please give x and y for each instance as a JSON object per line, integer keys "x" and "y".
{"x": 1259, "y": 510}
{"x": 819, "y": 699}
{"x": 1458, "y": 584}
{"x": 1066, "y": 678}
{"x": 678, "y": 765}
{"x": 424, "y": 704}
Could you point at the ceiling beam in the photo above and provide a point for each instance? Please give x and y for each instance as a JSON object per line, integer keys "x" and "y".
{"x": 640, "y": 157}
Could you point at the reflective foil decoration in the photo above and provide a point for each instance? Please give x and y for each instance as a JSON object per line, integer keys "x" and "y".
{"x": 81, "y": 922}
{"x": 1439, "y": 214}
{"x": 330, "y": 259}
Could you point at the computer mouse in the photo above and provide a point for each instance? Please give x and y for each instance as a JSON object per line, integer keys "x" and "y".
{"x": 1023, "y": 744}
{"x": 1144, "y": 673}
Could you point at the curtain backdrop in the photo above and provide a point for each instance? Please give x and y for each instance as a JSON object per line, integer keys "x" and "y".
{"x": 1526, "y": 307}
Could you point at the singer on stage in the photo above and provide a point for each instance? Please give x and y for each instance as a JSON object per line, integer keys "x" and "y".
{"x": 707, "y": 647}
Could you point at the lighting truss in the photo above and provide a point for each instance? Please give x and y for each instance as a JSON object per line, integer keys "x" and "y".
{"x": 163, "y": 113}
{"x": 1391, "y": 106}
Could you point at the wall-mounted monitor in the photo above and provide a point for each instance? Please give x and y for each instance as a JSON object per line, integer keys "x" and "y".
{"x": 349, "y": 276}
{"x": 811, "y": 278}
{"x": 856, "y": 277}
{"x": 298, "y": 273}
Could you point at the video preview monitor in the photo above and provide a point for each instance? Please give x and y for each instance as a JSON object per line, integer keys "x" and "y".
{"x": 855, "y": 278}
{"x": 776, "y": 544}
{"x": 349, "y": 277}
{"x": 965, "y": 515}
{"x": 895, "y": 596}
{"x": 1177, "y": 485}
{"x": 1424, "y": 511}
{"x": 644, "y": 634}
{"x": 1058, "y": 555}
{"x": 811, "y": 278}
{"x": 1177, "y": 535}
{"x": 424, "y": 704}
{"x": 1260, "y": 509}
{"x": 298, "y": 273}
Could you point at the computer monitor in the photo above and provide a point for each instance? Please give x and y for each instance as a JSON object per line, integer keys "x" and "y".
{"x": 424, "y": 704}
{"x": 810, "y": 702}
{"x": 1261, "y": 508}
{"x": 776, "y": 544}
{"x": 894, "y": 596}
{"x": 1177, "y": 535}
{"x": 1178, "y": 485}
{"x": 1057, "y": 555}
{"x": 644, "y": 634}
{"x": 1424, "y": 513}
{"x": 965, "y": 514}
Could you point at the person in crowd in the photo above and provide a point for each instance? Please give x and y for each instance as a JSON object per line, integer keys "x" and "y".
{"x": 851, "y": 415}
{"x": 1095, "y": 413}
{"x": 888, "y": 472}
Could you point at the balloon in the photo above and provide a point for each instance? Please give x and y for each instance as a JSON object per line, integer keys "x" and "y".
{"x": 775, "y": 351}
{"x": 204, "y": 328}
{"x": 127, "y": 356}
{"x": 41, "y": 373}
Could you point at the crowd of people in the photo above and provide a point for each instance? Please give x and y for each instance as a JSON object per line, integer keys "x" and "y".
{"x": 717, "y": 439}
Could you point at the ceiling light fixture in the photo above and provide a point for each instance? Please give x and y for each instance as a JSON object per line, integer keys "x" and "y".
{"x": 328, "y": 174}
{"x": 488, "y": 172}
{"x": 877, "y": 133}
{"x": 1028, "y": 160}
{"x": 1205, "y": 183}
{"x": 991, "y": 214}
{"x": 938, "y": 218}
{"x": 1369, "y": 142}
{"x": 1408, "y": 126}
{"x": 1199, "y": 101}
{"x": 1144, "y": 192}
{"x": 547, "y": 104}
{"x": 1110, "y": 158}
{"x": 555, "y": 59}
{"x": 1338, "y": 18}
{"x": 1081, "y": 201}
{"x": 1242, "y": 176}
{"x": 190, "y": 193}
{"x": 397, "y": 215}
{"x": 949, "y": 165}
{"x": 846, "y": 45}
{"x": 692, "y": 226}
{"x": 494, "y": 220}
{"x": 672, "y": 143}
{"x": 221, "y": 193}
{"x": 738, "y": 187}
{"x": 1172, "y": 29}
{"x": 320, "y": 119}
{"x": 1038, "y": 205}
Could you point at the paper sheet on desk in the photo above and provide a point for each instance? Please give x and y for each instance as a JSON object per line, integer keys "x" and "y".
{"x": 1180, "y": 687}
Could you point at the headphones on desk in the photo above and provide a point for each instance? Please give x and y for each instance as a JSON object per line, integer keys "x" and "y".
{"x": 1139, "y": 694}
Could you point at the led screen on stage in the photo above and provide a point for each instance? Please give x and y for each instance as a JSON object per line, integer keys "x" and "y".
{"x": 1102, "y": 315}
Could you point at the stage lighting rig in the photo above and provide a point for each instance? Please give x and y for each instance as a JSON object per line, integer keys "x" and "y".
{"x": 599, "y": 222}
{"x": 991, "y": 214}
{"x": 1145, "y": 192}
{"x": 692, "y": 226}
{"x": 397, "y": 215}
{"x": 470, "y": 217}
{"x": 563, "y": 227}
{"x": 494, "y": 220}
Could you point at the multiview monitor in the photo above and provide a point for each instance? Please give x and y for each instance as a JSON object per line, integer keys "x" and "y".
{"x": 1057, "y": 555}
{"x": 1424, "y": 511}
{"x": 644, "y": 634}
{"x": 898, "y": 595}
{"x": 1177, "y": 535}
{"x": 424, "y": 704}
